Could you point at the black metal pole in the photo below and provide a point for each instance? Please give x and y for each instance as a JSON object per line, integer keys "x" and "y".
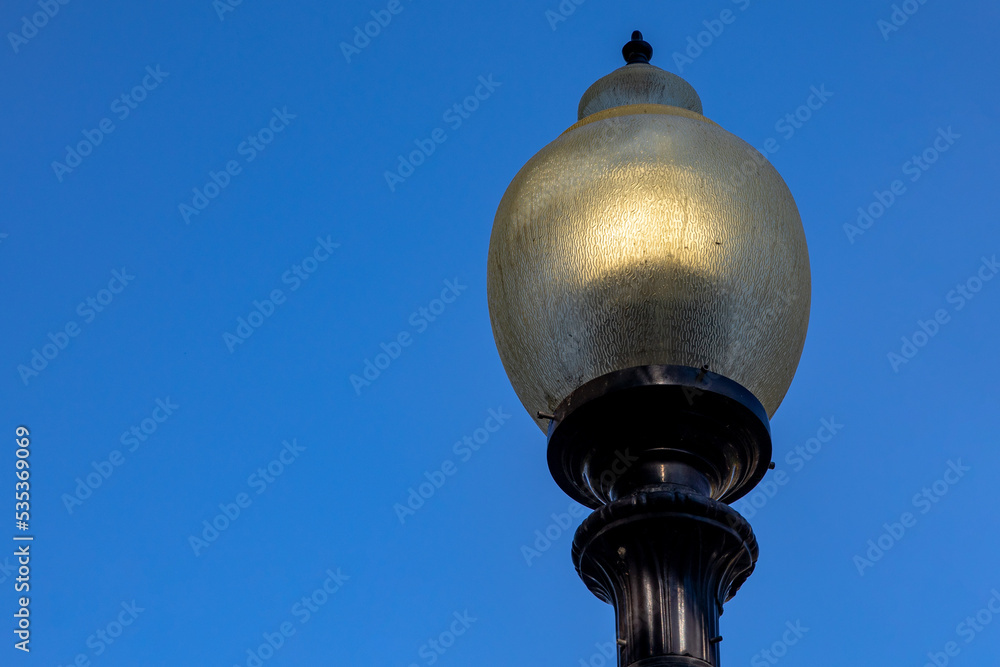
{"x": 658, "y": 450}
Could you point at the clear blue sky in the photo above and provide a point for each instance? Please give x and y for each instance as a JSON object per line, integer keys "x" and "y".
{"x": 244, "y": 172}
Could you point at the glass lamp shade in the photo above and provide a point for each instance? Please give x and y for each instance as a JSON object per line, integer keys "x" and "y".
{"x": 647, "y": 234}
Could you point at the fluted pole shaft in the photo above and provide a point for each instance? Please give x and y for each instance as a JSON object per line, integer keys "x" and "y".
{"x": 666, "y": 559}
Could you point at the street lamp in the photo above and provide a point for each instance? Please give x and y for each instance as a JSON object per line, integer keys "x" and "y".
{"x": 648, "y": 285}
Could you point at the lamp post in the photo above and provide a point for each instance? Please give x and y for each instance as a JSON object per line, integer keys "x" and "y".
{"x": 649, "y": 288}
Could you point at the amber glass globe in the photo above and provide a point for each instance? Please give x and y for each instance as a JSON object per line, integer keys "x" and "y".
{"x": 647, "y": 234}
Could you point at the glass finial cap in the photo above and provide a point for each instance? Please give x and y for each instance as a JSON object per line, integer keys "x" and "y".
{"x": 638, "y": 83}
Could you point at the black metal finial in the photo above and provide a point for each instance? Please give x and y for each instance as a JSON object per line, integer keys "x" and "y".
{"x": 638, "y": 50}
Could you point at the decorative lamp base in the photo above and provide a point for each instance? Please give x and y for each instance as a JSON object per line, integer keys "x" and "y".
{"x": 660, "y": 450}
